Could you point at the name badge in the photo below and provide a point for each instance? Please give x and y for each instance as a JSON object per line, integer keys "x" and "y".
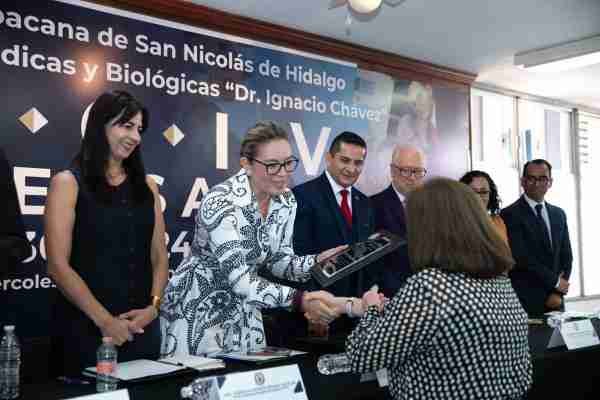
{"x": 122, "y": 394}
{"x": 276, "y": 383}
{"x": 381, "y": 376}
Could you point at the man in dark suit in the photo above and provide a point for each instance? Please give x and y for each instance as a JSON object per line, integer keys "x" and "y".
{"x": 332, "y": 212}
{"x": 14, "y": 246}
{"x": 407, "y": 170}
{"x": 539, "y": 239}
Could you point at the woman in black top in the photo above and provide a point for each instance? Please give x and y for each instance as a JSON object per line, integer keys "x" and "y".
{"x": 105, "y": 241}
{"x": 456, "y": 329}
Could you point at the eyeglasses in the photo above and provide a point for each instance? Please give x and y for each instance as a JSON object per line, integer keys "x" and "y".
{"x": 408, "y": 172}
{"x": 534, "y": 180}
{"x": 273, "y": 167}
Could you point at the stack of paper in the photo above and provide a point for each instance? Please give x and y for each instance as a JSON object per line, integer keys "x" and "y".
{"x": 268, "y": 353}
{"x": 137, "y": 369}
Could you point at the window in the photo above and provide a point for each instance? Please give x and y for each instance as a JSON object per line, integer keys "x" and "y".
{"x": 493, "y": 141}
{"x": 588, "y": 151}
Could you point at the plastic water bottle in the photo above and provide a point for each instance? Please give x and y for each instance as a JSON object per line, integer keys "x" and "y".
{"x": 201, "y": 389}
{"x": 10, "y": 362}
{"x": 106, "y": 365}
{"x": 330, "y": 364}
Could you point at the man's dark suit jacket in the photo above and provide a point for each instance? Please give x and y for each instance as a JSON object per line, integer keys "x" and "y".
{"x": 14, "y": 246}
{"x": 389, "y": 215}
{"x": 319, "y": 225}
{"x": 538, "y": 266}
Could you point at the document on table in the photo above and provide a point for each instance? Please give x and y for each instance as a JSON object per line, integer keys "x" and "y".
{"x": 137, "y": 369}
{"x": 268, "y": 353}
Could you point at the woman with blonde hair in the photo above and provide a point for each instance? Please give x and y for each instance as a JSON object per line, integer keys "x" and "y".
{"x": 456, "y": 329}
{"x": 214, "y": 300}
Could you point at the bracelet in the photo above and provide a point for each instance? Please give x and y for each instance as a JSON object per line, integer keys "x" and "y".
{"x": 155, "y": 302}
{"x": 349, "y": 305}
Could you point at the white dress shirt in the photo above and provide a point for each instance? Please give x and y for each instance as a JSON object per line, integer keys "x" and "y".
{"x": 532, "y": 203}
{"x": 400, "y": 196}
{"x": 337, "y": 189}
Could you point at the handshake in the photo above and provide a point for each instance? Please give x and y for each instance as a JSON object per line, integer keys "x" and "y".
{"x": 321, "y": 307}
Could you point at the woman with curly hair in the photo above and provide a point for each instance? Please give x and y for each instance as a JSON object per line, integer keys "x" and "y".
{"x": 483, "y": 185}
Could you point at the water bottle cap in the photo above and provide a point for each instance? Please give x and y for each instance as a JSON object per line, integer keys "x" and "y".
{"x": 187, "y": 392}
{"x": 9, "y": 328}
{"x": 107, "y": 339}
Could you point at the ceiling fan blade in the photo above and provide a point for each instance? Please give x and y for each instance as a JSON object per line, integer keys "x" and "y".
{"x": 393, "y": 3}
{"x": 336, "y": 3}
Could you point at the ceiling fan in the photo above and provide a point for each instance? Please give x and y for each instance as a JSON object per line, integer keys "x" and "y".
{"x": 364, "y": 6}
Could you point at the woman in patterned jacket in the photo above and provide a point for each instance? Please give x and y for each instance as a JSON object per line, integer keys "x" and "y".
{"x": 456, "y": 329}
{"x": 213, "y": 301}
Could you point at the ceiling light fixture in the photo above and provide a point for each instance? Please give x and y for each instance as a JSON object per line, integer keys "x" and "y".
{"x": 364, "y": 6}
{"x": 571, "y": 55}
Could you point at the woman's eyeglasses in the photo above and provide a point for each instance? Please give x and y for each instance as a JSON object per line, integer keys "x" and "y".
{"x": 273, "y": 167}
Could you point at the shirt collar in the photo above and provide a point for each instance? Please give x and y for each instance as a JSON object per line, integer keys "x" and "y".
{"x": 335, "y": 186}
{"x": 532, "y": 203}
{"x": 400, "y": 195}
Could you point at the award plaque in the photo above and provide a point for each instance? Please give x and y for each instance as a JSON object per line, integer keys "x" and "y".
{"x": 356, "y": 256}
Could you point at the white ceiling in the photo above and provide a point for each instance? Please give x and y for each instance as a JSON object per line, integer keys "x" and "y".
{"x": 478, "y": 36}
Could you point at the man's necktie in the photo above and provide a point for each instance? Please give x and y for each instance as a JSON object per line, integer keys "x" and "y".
{"x": 538, "y": 209}
{"x": 346, "y": 212}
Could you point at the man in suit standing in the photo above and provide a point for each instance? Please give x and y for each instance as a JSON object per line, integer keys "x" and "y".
{"x": 407, "y": 170}
{"x": 539, "y": 239}
{"x": 332, "y": 212}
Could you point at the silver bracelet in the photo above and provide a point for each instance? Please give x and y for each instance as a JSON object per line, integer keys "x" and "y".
{"x": 349, "y": 305}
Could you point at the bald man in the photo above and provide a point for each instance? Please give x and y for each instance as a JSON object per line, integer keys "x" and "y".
{"x": 407, "y": 170}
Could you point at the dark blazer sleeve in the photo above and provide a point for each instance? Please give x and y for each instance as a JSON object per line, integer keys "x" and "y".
{"x": 14, "y": 246}
{"x": 566, "y": 254}
{"x": 526, "y": 259}
{"x": 303, "y": 224}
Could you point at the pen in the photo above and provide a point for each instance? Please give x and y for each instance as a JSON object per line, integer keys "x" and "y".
{"x": 72, "y": 381}
{"x": 177, "y": 364}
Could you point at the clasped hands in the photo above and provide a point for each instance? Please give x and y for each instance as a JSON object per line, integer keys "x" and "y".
{"x": 123, "y": 327}
{"x": 321, "y": 307}
{"x": 554, "y": 300}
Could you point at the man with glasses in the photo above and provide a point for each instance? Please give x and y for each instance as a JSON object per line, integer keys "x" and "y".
{"x": 539, "y": 239}
{"x": 407, "y": 170}
{"x": 332, "y": 212}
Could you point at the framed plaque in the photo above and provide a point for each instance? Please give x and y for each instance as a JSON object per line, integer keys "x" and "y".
{"x": 355, "y": 257}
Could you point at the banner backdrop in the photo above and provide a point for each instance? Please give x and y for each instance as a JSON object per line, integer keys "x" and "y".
{"x": 203, "y": 90}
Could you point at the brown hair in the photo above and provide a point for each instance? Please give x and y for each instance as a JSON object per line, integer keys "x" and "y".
{"x": 447, "y": 228}
{"x": 261, "y": 133}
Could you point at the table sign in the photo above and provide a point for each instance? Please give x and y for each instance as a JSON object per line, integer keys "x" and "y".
{"x": 122, "y": 394}
{"x": 578, "y": 334}
{"x": 574, "y": 334}
{"x": 356, "y": 256}
{"x": 276, "y": 383}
